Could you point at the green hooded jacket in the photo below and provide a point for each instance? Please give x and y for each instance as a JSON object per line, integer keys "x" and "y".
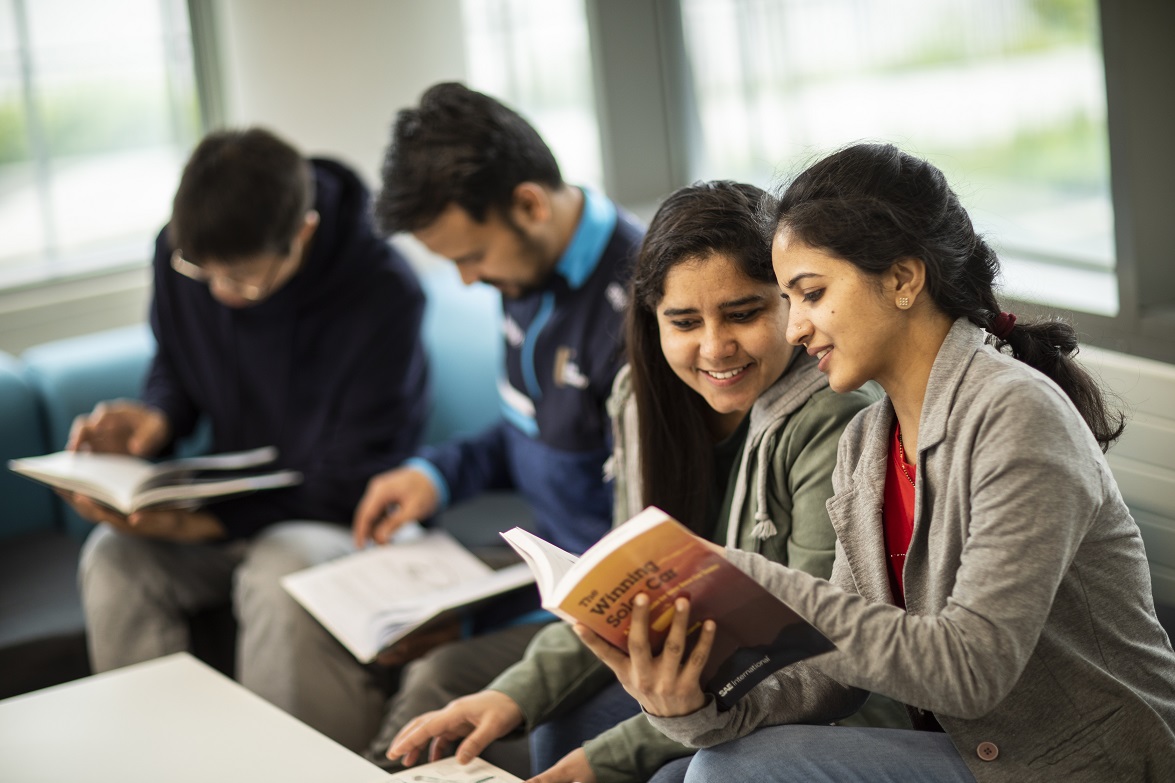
{"x": 774, "y": 504}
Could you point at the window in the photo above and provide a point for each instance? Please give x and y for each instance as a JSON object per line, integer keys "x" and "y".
{"x": 98, "y": 111}
{"x": 533, "y": 55}
{"x": 1006, "y": 96}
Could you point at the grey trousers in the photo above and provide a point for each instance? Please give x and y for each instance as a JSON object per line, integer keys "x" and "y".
{"x": 137, "y": 594}
{"x": 452, "y": 670}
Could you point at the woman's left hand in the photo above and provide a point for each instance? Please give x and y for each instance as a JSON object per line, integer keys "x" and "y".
{"x": 665, "y": 685}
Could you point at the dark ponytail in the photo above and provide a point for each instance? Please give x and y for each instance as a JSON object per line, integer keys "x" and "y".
{"x": 1050, "y": 345}
{"x": 872, "y": 205}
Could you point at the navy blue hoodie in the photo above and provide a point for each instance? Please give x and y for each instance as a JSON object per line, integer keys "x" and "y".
{"x": 330, "y": 369}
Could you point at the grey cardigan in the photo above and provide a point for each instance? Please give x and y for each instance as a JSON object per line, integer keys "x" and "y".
{"x": 1030, "y": 631}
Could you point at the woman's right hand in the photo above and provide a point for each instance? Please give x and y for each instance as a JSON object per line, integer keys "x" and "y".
{"x": 665, "y": 685}
{"x": 477, "y": 720}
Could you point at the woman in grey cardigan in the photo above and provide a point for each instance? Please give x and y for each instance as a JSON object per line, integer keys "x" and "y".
{"x": 987, "y": 573}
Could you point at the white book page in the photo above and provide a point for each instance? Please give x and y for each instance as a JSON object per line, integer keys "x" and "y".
{"x": 549, "y": 562}
{"x": 450, "y": 771}
{"x": 557, "y": 572}
{"x": 346, "y": 594}
{"x": 207, "y": 488}
{"x": 458, "y": 593}
{"x": 234, "y": 460}
{"x": 111, "y": 478}
{"x": 395, "y": 622}
{"x": 128, "y": 483}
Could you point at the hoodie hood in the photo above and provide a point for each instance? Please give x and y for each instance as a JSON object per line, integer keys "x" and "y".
{"x": 799, "y": 381}
{"x": 340, "y": 252}
{"x": 769, "y": 414}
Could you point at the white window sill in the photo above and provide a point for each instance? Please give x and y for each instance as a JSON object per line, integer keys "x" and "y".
{"x": 1084, "y": 290}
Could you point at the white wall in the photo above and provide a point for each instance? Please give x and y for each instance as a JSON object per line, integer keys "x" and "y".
{"x": 328, "y": 75}
{"x": 1143, "y": 461}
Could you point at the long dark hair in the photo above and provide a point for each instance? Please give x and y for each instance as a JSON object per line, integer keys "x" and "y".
{"x": 872, "y": 205}
{"x": 676, "y": 470}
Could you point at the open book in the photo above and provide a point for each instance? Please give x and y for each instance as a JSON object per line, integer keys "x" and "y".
{"x": 127, "y": 483}
{"x": 449, "y": 771}
{"x": 654, "y": 554}
{"x": 372, "y": 599}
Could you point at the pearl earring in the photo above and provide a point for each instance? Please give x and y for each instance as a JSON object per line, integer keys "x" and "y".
{"x": 903, "y": 302}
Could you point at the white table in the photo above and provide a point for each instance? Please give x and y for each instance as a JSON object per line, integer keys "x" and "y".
{"x": 171, "y": 720}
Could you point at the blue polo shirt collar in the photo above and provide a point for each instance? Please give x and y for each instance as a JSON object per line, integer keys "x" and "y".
{"x": 595, "y": 228}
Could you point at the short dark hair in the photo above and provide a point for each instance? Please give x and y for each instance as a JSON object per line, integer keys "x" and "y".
{"x": 873, "y": 205}
{"x": 693, "y": 223}
{"x": 458, "y": 147}
{"x": 242, "y": 192}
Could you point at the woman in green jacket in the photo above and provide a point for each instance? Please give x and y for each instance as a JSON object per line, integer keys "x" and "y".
{"x": 718, "y": 421}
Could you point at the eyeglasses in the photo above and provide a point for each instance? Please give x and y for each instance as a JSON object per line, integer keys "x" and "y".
{"x": 250, "y": 292}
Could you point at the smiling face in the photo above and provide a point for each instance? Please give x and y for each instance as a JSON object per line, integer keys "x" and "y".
{"x": 723, "y": 334}
{"x": 838, "y": 313}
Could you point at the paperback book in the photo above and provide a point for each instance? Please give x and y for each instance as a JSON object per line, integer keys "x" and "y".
{"x": 448, "y": 770}
{"x": 127, "y": 484}
{"x": 375, "y": 598}
{"x": 654, "y": 554}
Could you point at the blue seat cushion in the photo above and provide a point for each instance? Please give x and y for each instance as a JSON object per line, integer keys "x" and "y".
{"x": 463, "y": 335}
{"x": 73, "y": 375}
{"x": 27, "y": 507}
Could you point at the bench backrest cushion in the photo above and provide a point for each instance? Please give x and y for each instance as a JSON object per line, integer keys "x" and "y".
{"x": 27, "y": 507}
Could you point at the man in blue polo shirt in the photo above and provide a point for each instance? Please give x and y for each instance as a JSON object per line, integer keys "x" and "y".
{"x": 476, "y": 184}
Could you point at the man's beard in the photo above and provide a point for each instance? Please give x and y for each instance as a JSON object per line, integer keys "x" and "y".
{"x": 530, "y": 251}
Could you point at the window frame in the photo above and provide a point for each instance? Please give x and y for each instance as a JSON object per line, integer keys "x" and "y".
{"x": 63, "y": 306}
{"x": 209, "y": 93}
{"x": 653, "y": 158}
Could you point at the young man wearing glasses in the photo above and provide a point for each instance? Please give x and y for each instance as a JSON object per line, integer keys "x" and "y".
{"x": 284, "y": 320}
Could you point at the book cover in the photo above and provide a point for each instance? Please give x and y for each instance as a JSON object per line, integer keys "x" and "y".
{"x": 654, "y": 554}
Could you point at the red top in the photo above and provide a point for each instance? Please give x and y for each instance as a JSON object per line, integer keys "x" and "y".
{"x": 898, "y": 514}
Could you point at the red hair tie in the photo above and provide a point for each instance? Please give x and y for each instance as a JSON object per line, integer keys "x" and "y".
{"x": 1001, "y": 327}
